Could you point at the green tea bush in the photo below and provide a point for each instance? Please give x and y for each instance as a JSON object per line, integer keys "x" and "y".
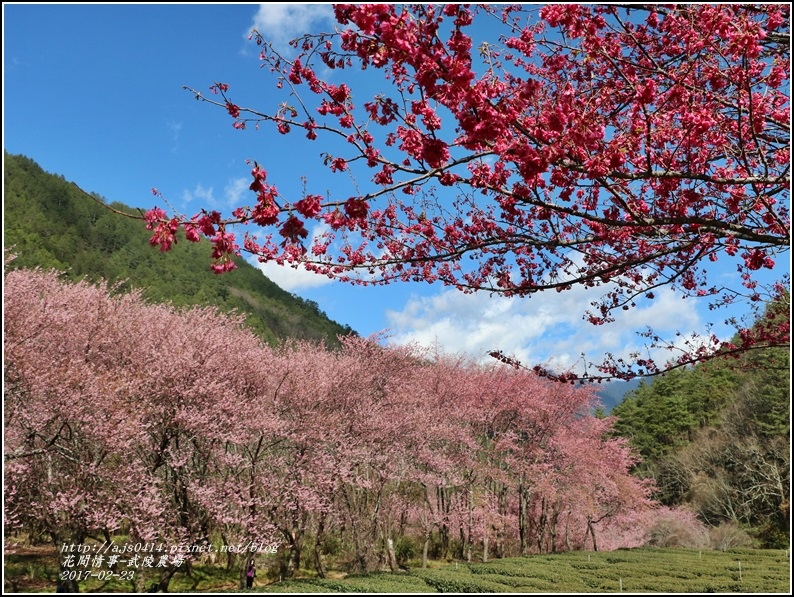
{"x": 513, "y": 574}
{"x": 505, "y": 568}
{"x": 340, "y": 586}
{"x": 386, "y": 582}
{"x": 458, "y": 581}
{"x": 295, "y": 586}
{"x": 514, "y": 583}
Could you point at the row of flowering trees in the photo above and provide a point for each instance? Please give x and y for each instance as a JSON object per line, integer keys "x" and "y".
{"x": 182, "y": 427}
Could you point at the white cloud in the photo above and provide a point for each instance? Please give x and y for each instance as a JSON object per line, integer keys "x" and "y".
{"x": 280, "y": 23}
{"x": 235, "y": 190}
{"x": 546, "y": 328}
{"x": 292, "y": 279}
{"x": 201, "y": 193}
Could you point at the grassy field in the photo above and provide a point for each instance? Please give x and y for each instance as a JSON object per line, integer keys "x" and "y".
{"x": 632, "y": 571}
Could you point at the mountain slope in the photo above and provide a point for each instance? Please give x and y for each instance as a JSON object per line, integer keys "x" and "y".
{"x": 51, "y": 224}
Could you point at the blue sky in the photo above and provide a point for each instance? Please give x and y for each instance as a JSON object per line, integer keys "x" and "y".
{"x": 94, "y": 92}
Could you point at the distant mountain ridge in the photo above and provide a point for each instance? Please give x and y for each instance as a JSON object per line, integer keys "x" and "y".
{"x": 51, "y": 224}
{"x": 613, "y": 393}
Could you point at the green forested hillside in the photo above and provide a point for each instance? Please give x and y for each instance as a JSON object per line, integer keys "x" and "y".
{"x": 51, "y": 224}
{"x": 717, "y": 438}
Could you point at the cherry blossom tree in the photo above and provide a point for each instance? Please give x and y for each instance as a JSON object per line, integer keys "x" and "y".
{"x": 64, "y": 476}
{"x": 529, "y": 420}
{"x": 624, "y": 148}
{"x": 123, "y": 417}
{"x": 389, "y": 420}
{"x": 588, "y": 482}
{"x": 445, "y": 452}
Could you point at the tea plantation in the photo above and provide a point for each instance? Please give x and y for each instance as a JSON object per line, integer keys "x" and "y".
{"x": 647, "y": 570}
{"x": 633, "y": 571}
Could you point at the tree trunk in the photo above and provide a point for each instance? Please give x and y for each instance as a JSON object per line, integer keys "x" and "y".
{"x": 231, "y": 558}
{"x": 392, "y": 556}
{"x": 165, "y": 579}
{"x": 470, "y": 524}
{"x": 522, "y": 519}
{"x": 288, "y": 568}
{"x": 592, "y": 533}
{"x": 425, "y": 549}
{"x": 541, "y": 529}
{"x": 318, "y": 562}
{"x": 294, "y": 563}
{"x": 444, "y": 528}
{"x": 461, "y": 551}
{"x": 502, "y": 530}
{"x": 485, "y": 548}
